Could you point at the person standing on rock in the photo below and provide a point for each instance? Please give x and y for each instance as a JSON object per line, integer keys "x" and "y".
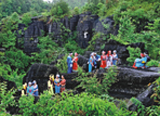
{"x": 75, "y": 64}
{"x": 91, "y": 63}
{"x": 30, "y": 89}
{"x": 50, "y": 84}
{"x": 115, "y": 58}
{"x": 63, "y": 83}
{"x": 69, "y": 63}
{"x": 35, "y": 91}
{"x": 109, "y": 59}
{"x": 103, "y": 60}
{"x": 57, "y": 84}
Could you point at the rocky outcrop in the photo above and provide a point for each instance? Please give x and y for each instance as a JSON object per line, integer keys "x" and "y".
{"x": 85, "y": 28}
{"x": 85, "y": 24}
{"x": 132, "y": 82}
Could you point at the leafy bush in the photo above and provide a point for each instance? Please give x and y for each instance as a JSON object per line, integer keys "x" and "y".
{"x": 60, "y": 8}
{"x": 95, "y": 85}
{"x": 49, "y": 51}
{"x": 80, "y": 104}
{"x": 6, "y": 98}
{"x": 134, "y": 53}
{"x": 140, "y": 107}
{"x": 153, "y": 63}
{"x": 62, "y": 64}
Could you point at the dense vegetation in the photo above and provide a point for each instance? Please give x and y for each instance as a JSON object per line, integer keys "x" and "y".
{"x": 139, "y": 22}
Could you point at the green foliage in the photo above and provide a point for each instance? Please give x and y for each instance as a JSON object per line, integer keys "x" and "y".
{"x": 80, "y": 104}
{"x": 153, "y": 63}
{"x": 17, "y": 59}
{"x": 62, "y": 64}
{"x": 60, "y": 8}
{"x": 95, "y": 85}
{"x": 134, "y": 53}
{"x": 72, "y": 46}
{"x": 153, "y": 111}
{"x": 93, "y": 41}
{"x": 49, "y": 51}
{"x": 140, "y": 106}
{"x": 26, "y": 105}
{"x": 6, "y": 98}
{"x": 156, "y": 95}
{"x": 7, "y": 7}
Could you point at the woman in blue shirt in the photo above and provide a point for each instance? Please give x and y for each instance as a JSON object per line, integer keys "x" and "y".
{"x": 35, "y": 91}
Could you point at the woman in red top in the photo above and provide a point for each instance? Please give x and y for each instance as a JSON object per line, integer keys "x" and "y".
{"x": 103, "y": 60}
{"x": 75, "y": 65}
{"x": 63, "y": 83}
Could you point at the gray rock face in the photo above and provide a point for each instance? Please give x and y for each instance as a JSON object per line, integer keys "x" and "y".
{"x": 85, "y": 28}
{"x": 132, "y": 82}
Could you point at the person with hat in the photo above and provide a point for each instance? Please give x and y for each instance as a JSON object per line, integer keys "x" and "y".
{"x": 69, "y": 63}
{"x": 75, "y": 64}
{"x": 50, "y": 84}
{"x": 57, "y": 84}
{"x": 30, "y": 89}
{"x": 140, "y": 63}
{"x": 103, "y": 60}
{"x": 35, "y": 91}
{"x": 91, "y": 63}
{"x": 115, "y": 57}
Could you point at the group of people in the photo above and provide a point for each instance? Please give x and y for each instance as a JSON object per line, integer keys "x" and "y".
{"x": 31, "y": 89}
{"x": 106, "y": 60}
{"x": 72, "y": 63}
{"x": 57, "y": 83}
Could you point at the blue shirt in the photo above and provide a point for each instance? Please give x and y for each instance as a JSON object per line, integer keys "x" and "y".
{"x": 30, "y": 90}
{"x": 139, "y": 61}
{"x": 35, "y": 93}
{"x": 69, "y": 60}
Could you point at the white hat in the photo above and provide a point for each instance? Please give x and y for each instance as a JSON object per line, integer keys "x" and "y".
{"x": 115, "y": 51}
{"x": 29, "y": 83}
{"x": 57, "y": 75}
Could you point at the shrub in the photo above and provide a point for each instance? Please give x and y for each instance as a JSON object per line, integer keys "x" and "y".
{"x": 62, "y": 64}
{"x": 95, "y": 85}
{"x": 134, "y": 53}
{"x": 6, "y": 98}
{"x": 60, "y": 8}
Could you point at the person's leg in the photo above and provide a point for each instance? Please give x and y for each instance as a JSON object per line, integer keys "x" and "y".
{"x": 55, "y": 89}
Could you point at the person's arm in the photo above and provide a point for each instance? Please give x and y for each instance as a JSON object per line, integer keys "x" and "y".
{"x": 36, "y": 89}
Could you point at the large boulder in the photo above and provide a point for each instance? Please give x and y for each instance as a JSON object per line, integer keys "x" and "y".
{"x": 131, "y": 82}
